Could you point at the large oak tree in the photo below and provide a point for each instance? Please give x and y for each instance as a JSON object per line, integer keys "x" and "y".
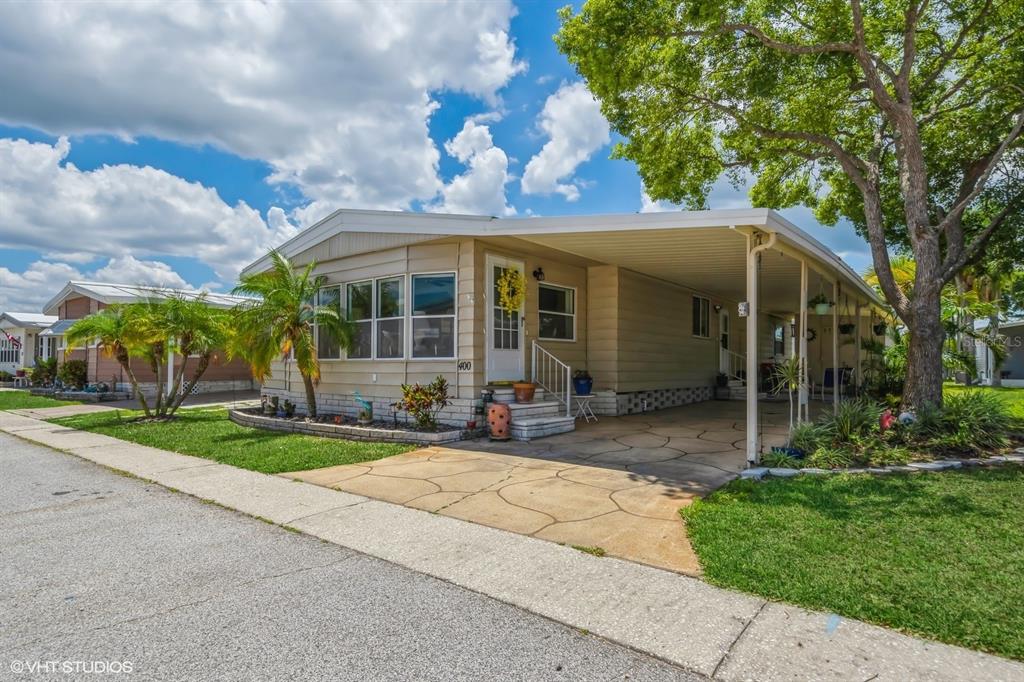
{"x": 903, "y": 118}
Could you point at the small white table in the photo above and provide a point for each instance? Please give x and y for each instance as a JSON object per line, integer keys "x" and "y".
{"x": 21, "y": 382}
{"x": 583, "y": 409}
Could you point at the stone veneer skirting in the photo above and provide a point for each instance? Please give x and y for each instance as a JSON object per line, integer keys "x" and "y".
{"x": 148, "y": 388}
{"x": 456, "y": 414}
{"x": 347, "y": 431}
{"x": 609, "y": 403}
{"x": 605, "y": 403}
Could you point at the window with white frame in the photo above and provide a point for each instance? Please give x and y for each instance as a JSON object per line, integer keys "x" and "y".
{"x": 433, "y": 315}
{"x": 10, "y": 349}
{"x": 359, "y": 308}
{"x": 327, "y": 347}
{"x": 557, "y": 312}
{"x": 389, "y": 320}
{"x": 701, "y": 317}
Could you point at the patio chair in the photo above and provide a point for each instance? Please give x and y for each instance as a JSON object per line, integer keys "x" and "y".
{"x": 828, "y": 380}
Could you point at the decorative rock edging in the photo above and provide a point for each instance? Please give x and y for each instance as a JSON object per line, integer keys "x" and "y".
{"x": 759, "y": 473}
{"x": 347, "y": 431}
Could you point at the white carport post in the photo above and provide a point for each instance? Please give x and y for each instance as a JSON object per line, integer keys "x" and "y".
{"x": 802, "y": 407}
{"x": 856, "y": 352}
{"x": 835, "y": 345}
{"x": 752, "y": 386}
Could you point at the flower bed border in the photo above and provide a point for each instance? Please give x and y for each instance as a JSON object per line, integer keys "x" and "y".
{"x": 759, "y": 473}
{"x": 348, "y": 431}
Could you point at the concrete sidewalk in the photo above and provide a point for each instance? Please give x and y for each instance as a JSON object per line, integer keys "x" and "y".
{"x": 715, "y": 632}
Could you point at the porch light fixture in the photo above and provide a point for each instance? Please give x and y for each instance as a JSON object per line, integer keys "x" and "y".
{"x": 718, "y": 307}
{"x": 538, "y": 274}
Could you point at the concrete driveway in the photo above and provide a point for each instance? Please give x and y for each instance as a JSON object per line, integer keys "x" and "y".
{"x": 616, "y": 484}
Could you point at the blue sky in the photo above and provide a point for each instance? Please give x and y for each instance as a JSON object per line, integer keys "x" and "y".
{"x": 174, "y": 147}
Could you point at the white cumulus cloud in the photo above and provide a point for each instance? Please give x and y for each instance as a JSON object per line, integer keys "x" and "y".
{"x": 51, "y": 206}
{"x": 481, "y": 189}
{"x": 335, "y": 96}
{"x": 572, "y": 121}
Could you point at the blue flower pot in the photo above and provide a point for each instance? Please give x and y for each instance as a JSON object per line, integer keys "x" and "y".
{"x": 582, "y": 386}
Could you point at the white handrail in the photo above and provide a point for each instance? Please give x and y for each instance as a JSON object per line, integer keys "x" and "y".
{"x": 737, "y": 363}
{"x": 553, "y": 375}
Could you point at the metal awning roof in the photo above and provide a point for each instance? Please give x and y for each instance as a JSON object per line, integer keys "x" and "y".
{"x": 58, "y": 328}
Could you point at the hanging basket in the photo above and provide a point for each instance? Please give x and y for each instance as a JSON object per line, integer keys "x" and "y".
{"x": 822, "y": 308}
{"x": 879, "y": 329}
{"x": 847, "y": 328}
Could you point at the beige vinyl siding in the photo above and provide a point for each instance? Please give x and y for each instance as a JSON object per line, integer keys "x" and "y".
{"x": 348, "y": 244}
{"x": 383, "y": 378}
{"x": 603, "y": 327}
{"x": 657, "y": 348}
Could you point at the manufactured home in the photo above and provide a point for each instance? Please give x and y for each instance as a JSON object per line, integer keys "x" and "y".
{"x": 78, "y": 299}
{"x": 662, "y": 309}
{"x": 20, "y": 343}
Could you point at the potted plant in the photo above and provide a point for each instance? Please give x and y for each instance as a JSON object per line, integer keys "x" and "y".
{"x": 365, "y": 416}
{"x": 820, "y": 304}
{"x": 846, "y": 328}
{"x": 582, "y": 382}
{"x": 721, "y": 380}
{"x": 879, "y": 329}
{"x": 289, "y": 409}
{"x": 524, "y": 391}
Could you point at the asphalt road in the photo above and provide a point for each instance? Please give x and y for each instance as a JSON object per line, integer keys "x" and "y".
{"x": 100, "y": 572}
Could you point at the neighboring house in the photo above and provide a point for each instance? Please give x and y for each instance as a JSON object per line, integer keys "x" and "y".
{"x": 20, "y": 343}
{"x": 78, "y": 299}
{"x": 1011, "y": 371}
{"x": 650, "y": 304}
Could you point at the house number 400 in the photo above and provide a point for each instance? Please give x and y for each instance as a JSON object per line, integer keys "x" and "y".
{"x": 465, "y": 366}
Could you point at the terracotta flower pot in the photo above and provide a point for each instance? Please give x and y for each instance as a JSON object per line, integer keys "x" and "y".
{"x": 499, "y": 418}
{"x": 524, "y": 391}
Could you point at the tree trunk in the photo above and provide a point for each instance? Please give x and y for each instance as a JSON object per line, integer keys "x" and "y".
{"x": 204, "y": 362}
{"x": 993, "y": 333}
{"x": 924, "y": 352}
{"x": 125, "y": 361}
{"x": 307, "y": 381}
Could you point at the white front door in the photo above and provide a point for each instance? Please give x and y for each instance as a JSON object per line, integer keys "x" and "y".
{"x": 505, "y": 343}
{"x": 724, "y": 361}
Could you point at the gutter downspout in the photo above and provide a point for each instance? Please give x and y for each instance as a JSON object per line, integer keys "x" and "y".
{"x": 753, "y": 449}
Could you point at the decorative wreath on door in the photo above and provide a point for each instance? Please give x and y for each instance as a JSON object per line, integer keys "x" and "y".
{"x": 511, "y": 290}
{"x": 811, "y": 335}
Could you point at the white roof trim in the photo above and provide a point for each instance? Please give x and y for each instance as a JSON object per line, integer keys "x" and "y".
{"x": 29, "y": 320}
{"x": 107, "y": 293}
{"x": 442, "y": 224}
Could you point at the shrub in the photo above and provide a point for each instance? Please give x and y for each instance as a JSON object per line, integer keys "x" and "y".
{"x": 424, "y": 402}
{"x": 44, "y": 372}
{"x": 851, "y": 420}
{"x": 6, "y": 376}
{"x": 887, "y": 455}
{"x": 974, "y": 421}
{"x": 826, "y": 457}
{"x": 807, "y": 436}
{"x": 74, "y": 373}
{"x": 777, "y": 459}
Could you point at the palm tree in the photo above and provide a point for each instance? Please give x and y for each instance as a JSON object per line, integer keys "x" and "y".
{"x": 120, "y": 331}
{"x": 281, "y": 322}
{"x": 194, "y": 330}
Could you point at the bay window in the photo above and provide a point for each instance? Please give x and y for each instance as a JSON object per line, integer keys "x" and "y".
{"x": 433, "y": 316}
{"x": 327, "y": 347}
{"x": 390, "y": 318}
{"x": 359, "y": 309}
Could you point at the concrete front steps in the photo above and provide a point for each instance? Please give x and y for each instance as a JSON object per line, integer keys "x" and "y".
{"x": 545, "y": 416}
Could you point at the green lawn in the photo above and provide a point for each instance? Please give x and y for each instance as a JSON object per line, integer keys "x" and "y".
{"x": 938, "y": 555}
{"x": 1012, "y": 397}
{"x": 16, "y": 400}
{"x": 209, "y": 434}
